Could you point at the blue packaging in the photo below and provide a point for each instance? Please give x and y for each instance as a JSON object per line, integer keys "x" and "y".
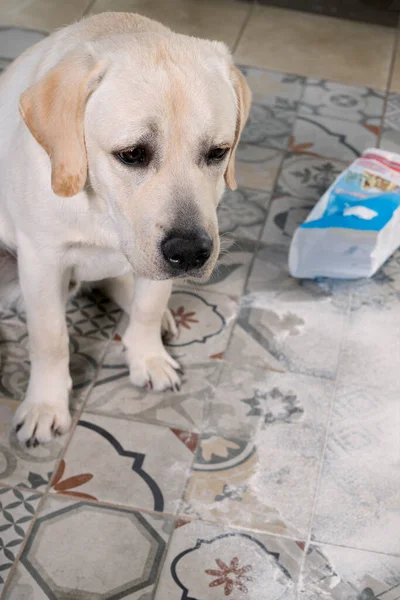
{"x": 355, "y": 226}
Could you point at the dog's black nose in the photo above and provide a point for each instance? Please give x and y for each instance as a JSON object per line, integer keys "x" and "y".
{"x": 186, "y": 253}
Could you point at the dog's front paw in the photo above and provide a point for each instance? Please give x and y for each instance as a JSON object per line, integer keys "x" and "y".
{"x": 37, "y": 422}
{"x": 156, "y": 371}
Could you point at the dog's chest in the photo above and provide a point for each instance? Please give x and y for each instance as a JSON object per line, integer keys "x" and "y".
{"x": 95, "y": 264}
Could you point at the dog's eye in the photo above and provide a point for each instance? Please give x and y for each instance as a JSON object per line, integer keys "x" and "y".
{"x": 217, "y": 154}
{"x": 133, "y": 156}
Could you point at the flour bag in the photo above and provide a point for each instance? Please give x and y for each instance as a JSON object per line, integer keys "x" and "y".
{"x": 355, "y": 226}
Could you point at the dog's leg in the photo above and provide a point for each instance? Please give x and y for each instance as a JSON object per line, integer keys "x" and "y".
{"x": 121, "y": 291}
{"x": 150, "y": 364}
{"x": 44, "y": 412}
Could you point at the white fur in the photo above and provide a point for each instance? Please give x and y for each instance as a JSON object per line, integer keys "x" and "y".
{"x": 111, "y": 229}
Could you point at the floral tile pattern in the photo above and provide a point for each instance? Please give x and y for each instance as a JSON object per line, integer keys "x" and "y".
{"x": 337, "y": 121}
{"x": 257, "y": 443}
{"x": 355, "y": 104}
{"x": 248, "y": 400}
{"x": 142, "y": 465}
{"x": 204, "y": 321}
{"x": 209, "y": 562}
{"x": 307, "y": 177}
{"x": 17, "y": 509}
{"x": 332, "y": 138}
{"x": 342, "y": 573}
{"x": 106, "y": 552}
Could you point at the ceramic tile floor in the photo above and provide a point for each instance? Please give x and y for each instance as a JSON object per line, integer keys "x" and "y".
{"x": 274, "y": 472}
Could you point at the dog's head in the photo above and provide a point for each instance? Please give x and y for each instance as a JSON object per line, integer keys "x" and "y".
{"x": 149, "y": 124}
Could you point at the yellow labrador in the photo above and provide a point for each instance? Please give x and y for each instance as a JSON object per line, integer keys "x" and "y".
{"x": 117, "y": 138}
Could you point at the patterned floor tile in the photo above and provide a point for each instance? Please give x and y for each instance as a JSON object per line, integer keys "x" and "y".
{"x": 274, "y": 107}
{"x": 286, "y": 213}
{"x": 308, "y": 177}
{"x": 81, "y": 550}
{"x": 28, "y": 467}
{"x": 242, "y": 343}
{"x": 204, "y": 321}
{"x": 242, "y": 213}
{"x": 301, "y": 323}
{"x": 209, "y": 562}
{"x": 249, "y": 401}
{"x": 332, "y": 138}
{"x": 371, "y": 348}
{"x": 359, "y": 498}
{"x": 114, "y": 394}
{"x": 361, "y": 105}
{"x": 271, "y": 88}
{"x": 92, "y": 315}
{"x": 231, "y": 270}
{"x": 265, "y": 435}
{"x": 128, "y": 463}
{"x": 17, "y": 509}
{"x": 270, "y": 126}
{"x": 85, "y": 356}
{"x": 343, "y": 574}
{"x": 257, "y": 167}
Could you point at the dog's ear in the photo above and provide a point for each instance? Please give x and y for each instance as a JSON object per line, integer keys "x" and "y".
{"x": 243, "y": 95}
{"x": 53, "y": 110}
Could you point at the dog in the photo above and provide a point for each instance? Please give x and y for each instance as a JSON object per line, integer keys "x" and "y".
{"x": 117, "y": 139}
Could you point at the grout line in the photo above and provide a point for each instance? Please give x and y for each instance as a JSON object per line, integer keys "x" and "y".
{"x": 388, "y": 86}
{"x": 175, "y": 516}
{"x": 243, "y": 27}
{"x": 332, "y": 544}
{"x": 22, "y": 488}
{"x": 323, "y": 453}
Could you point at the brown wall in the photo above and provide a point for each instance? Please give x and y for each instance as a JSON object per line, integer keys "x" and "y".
{"x": 381, "y": 12}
